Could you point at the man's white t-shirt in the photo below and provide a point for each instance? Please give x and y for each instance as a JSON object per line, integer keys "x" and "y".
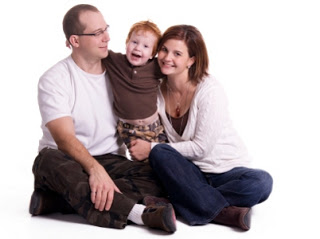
{"x": 67, "y": 90}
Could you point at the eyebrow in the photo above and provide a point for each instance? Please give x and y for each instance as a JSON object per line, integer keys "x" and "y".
{"x": 101, "y": 28}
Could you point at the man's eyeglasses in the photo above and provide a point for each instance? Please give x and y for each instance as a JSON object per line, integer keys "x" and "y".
{"x": 96, "y": 34}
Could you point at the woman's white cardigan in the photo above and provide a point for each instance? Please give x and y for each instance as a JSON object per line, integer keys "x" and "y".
{"x": 209, "y": 139}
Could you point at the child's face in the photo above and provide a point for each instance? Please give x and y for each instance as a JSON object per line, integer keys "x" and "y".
{"x": 140, "y": 47}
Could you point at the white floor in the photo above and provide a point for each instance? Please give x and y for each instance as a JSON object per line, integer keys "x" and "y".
{"x": 279, "y": 217}
{"x": 17, "y": 223}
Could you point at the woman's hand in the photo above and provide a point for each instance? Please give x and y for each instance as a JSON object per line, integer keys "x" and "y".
{"x": 139, "y": 149}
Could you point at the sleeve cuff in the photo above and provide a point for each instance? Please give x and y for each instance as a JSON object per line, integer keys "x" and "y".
{"x": 153, "y": 144}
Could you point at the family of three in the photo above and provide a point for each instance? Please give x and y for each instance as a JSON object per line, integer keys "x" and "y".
{"x": 186, "y": 158}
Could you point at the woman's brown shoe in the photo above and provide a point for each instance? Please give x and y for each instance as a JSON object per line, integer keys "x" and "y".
{"x": 235, "y": 216}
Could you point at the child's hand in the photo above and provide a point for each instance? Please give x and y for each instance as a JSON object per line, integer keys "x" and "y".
{"x": 139, "y": 149}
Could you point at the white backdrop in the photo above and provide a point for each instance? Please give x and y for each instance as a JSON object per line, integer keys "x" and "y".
{"x": 265, "y": 53}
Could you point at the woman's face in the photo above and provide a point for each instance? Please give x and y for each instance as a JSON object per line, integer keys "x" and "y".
{"x": 174, "y": 59}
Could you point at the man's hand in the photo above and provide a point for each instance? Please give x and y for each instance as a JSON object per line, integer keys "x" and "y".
{"x": 102, "y": 188}
{"x": 139, "y": 149}
{"x": 101, "y": 185}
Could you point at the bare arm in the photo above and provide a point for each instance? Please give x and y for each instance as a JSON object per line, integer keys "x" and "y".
{"x": 101, "y": 185}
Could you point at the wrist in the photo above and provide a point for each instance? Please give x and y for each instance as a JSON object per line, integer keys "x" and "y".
{"x": 92, "y": 167}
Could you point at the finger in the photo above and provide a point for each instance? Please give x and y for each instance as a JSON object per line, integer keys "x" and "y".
{"x": 98, "y": 199}
{"x": 131, "y": 155}
{"x": 133, "y": 143}
{"x": 109, "y": 200}
{"x": 93, "y": 196}
{"x": 103, "y": 200}
{"x": 117, "y": 189}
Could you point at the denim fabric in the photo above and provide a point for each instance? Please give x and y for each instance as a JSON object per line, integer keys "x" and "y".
{"x": 199, "y": 197}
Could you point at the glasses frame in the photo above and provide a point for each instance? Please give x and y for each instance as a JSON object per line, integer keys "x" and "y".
{"x": 97, "y": 34}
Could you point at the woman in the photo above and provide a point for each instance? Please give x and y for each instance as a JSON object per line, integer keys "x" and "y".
{"x": 204, "y": 168}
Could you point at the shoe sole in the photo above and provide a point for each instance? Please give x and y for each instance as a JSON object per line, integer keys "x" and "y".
{"x": 246, "y": 220}
{"x": 169, "y": 219}
{"x": 35, "y": 204}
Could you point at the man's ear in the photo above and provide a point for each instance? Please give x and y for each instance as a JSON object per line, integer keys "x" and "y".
{"x": 74, "y": 40}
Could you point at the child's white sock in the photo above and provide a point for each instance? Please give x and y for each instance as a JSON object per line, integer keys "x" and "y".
{"x": 135, "y": 214}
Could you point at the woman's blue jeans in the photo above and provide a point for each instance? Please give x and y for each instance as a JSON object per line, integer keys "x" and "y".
{"x": 199, "y": 197}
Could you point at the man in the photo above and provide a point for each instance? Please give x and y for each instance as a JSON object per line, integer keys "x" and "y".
{"x": 79, "y": 167}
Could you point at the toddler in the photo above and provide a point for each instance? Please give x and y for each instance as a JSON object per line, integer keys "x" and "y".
{"x": 134, "y": 78}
